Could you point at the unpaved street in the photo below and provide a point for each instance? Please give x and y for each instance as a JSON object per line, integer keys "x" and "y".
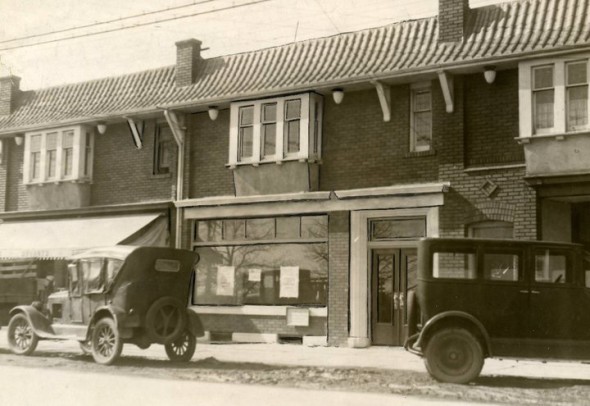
{"x": 213, "y": 364}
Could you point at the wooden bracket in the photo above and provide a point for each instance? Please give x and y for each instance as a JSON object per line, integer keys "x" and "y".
{"x": 446, "y": 84}
{"x": 384, "y": 93}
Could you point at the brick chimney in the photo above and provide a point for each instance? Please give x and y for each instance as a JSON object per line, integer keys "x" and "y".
{"x": 9, "y": 88}
{"x": 452, "y": 19}
{"x": 188, "y": 55}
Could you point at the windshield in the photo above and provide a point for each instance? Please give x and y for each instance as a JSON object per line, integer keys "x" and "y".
{"x": 113, "y": 267}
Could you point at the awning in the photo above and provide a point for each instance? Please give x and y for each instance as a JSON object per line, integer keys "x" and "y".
{"x": 59, "y": 239}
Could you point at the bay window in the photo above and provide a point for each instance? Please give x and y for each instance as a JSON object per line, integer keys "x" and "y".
{"x": 274, "y": 130}
{"x": 58, "y": 155}
{"x": 553, "y": 96}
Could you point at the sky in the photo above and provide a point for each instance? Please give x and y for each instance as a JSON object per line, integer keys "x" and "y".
{"x": 145, "y": 42}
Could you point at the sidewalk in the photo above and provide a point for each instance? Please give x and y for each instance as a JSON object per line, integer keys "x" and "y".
{"x": 394, "y": 358}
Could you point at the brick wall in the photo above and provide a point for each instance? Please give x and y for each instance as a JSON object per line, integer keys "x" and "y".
{"x": 124, "y": 174}
{"x": 208, "y": 156}
{"x": 4, "y": 172}
{"x": 338, "y": 277}
{"x": 452, "y": 15}
{"x": 16, "y": 198}
{"x": 361, "y": 150}
{"x": 491, "y": 119}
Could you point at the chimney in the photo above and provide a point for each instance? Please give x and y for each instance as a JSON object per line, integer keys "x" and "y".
{"x": 9, "y": 88}
{"x": 188, "y": 55}
{"x": 452, "y": 19}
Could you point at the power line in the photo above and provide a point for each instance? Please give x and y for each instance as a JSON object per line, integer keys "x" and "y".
{"x": 79, "y": 27}
{"x": 137, "y": 25}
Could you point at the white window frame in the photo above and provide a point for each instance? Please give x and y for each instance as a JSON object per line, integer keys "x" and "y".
{"x": 414, "y": 88}
{"x": 525, "y": 96}
{"x": 81, "y": 133}
{"x": 309, "y": 146}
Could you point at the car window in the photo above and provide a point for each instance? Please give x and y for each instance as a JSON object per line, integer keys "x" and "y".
{"x": 551, "y": 267}
{"x": 587, "y": 268}
{"x": 501, "y": 267}
{"x": 454, "y": 265}
{"x": 92, "y": 274}
{"x": 112, "y": 269}
{"x": 74, "y": 279}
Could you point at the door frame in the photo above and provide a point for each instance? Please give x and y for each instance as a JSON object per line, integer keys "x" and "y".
{"x": 360, "y": 251}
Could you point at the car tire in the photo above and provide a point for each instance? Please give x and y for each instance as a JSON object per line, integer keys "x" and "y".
{"x": 22, "y": 339}
{"x": 453, "y": 355}
{"x": 183, "y": 348}
{"x": 106, "y": 342}
{"x": 165, "y": 320}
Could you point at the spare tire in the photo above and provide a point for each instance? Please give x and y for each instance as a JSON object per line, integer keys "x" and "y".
{"x": 165, "y": 320}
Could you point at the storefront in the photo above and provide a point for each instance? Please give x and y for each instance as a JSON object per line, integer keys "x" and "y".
{"x": 321, "y": 268}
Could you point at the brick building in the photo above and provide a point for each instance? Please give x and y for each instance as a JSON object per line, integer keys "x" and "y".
{"x": 305, "y": 174}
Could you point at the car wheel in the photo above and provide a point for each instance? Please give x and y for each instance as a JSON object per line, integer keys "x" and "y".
{"x": 453, "y": 355}
{"x": 183, "y": 348}
{"x": 21, "y": 337}
{"x": 165, "y": 320}
{"x": 106, "y": 342}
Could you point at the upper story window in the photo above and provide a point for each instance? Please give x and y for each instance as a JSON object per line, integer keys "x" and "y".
{"x": 164, "y": 150}
{"x": 58, "y": 155}
{"x": 421, "y": 118}
{"x": 553, "y": 96}
{"x": 274, "y": 130}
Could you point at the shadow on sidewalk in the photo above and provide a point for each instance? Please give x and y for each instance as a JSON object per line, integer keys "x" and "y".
{"x": 529, "y": 383}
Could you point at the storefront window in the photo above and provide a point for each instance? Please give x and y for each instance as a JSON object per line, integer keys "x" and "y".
{"x": 276, "y": 261}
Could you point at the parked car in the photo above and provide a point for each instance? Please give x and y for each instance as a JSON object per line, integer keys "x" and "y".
{"x": 480, "y": 298}
{"x": 116, "y": 295}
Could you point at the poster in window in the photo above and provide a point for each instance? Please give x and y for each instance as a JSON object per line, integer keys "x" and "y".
{"x": 254, "y": 275}
{"x": 289, "y": 281}
{"x": 225, "y": 280}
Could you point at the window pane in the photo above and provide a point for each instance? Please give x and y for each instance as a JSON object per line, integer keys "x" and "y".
{"x": 293, "y": 109}
{"x": 51, "y": 163}
{"x": 314, "y": 227}
{"x": 209, "y": 230}
{"x": 246, "y": 115}
{"x": 422, "y": 100}
{"x": 550, "y": 267}
{"x": 288, "y": 227}
{"x": 91, "y": 270}
{"x": 544, "y": 109}
{"x": 51, "y": 141}
{"x": 255, "y": 272}
{"x": 422, "y": 130}
{"x": 543, "y": 77}
{"x": 260, "y": 229}
{"x": 500, "y": 267}
{"x": 397, "y": 228}
{"x": 576, "y": 73}
{"x": 269, "y": 113}
{"x": 68, "y": 139}
{"x": 385, "y": 275}
{"x": 292, "y": 128}
{"x": 68, "y": 157}
{"x": 112, "y": 268}
{"x": 577, "y": 107}
{"x": 35, "y": 143}
{"x": 234, "y": 230}
{"x": 454, "y": 265}
{"x": 269, "y": 134}
{"x": 35, "y": 165}
{"x": 246, "y": 142}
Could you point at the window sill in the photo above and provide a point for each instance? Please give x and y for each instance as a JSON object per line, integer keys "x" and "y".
{"x": 555, "y": 136}
{"x": 419, "y": 154}
{"x": 161, "y": 175}
{"x": 57, "y": 182}
{"x": 276, "y": 162}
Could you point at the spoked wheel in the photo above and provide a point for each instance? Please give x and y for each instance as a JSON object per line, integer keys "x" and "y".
{"x": 21, "y": 337}
{"x": 165, "y": 320}
{"x": 183, "y": 348}
{"x": 454, "y": 355}
{"x": 106, "y": 342}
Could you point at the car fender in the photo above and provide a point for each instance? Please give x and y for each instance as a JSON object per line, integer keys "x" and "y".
{"x": 40, "y": 323}
{"x": 436, "y": 320}
{"x": 194, "y": 323}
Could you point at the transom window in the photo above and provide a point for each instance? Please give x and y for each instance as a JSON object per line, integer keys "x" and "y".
{"x": 273, "y": 130}
{"x": 58, "y": 155}
{"x": 553, "y": 96}
{"x": 421, "y": 118}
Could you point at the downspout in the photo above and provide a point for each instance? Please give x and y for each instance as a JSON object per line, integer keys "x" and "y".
{"x": 179, "y": 134}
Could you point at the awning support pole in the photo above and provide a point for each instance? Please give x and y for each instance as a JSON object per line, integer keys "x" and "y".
{"x": 179, "y": 134}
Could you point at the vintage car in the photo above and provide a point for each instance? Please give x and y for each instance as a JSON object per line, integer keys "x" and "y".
{"x": 116, "y": 295}
{"x": 480, "y": 298}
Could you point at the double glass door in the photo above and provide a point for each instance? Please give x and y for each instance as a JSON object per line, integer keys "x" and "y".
{"x": 393, "y": 273}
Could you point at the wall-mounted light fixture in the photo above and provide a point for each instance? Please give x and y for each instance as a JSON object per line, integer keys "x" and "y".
{"x": 18, "y": 140}
{"x": 338, "y": 95}
{"x": 101, "y": 126}
{"x": 489, "y": 73}
{"x": 213, "y": 112}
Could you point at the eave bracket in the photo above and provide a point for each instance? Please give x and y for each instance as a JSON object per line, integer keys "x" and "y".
{"x": 384, "y": 94}
{"x": 446, "y": 84}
